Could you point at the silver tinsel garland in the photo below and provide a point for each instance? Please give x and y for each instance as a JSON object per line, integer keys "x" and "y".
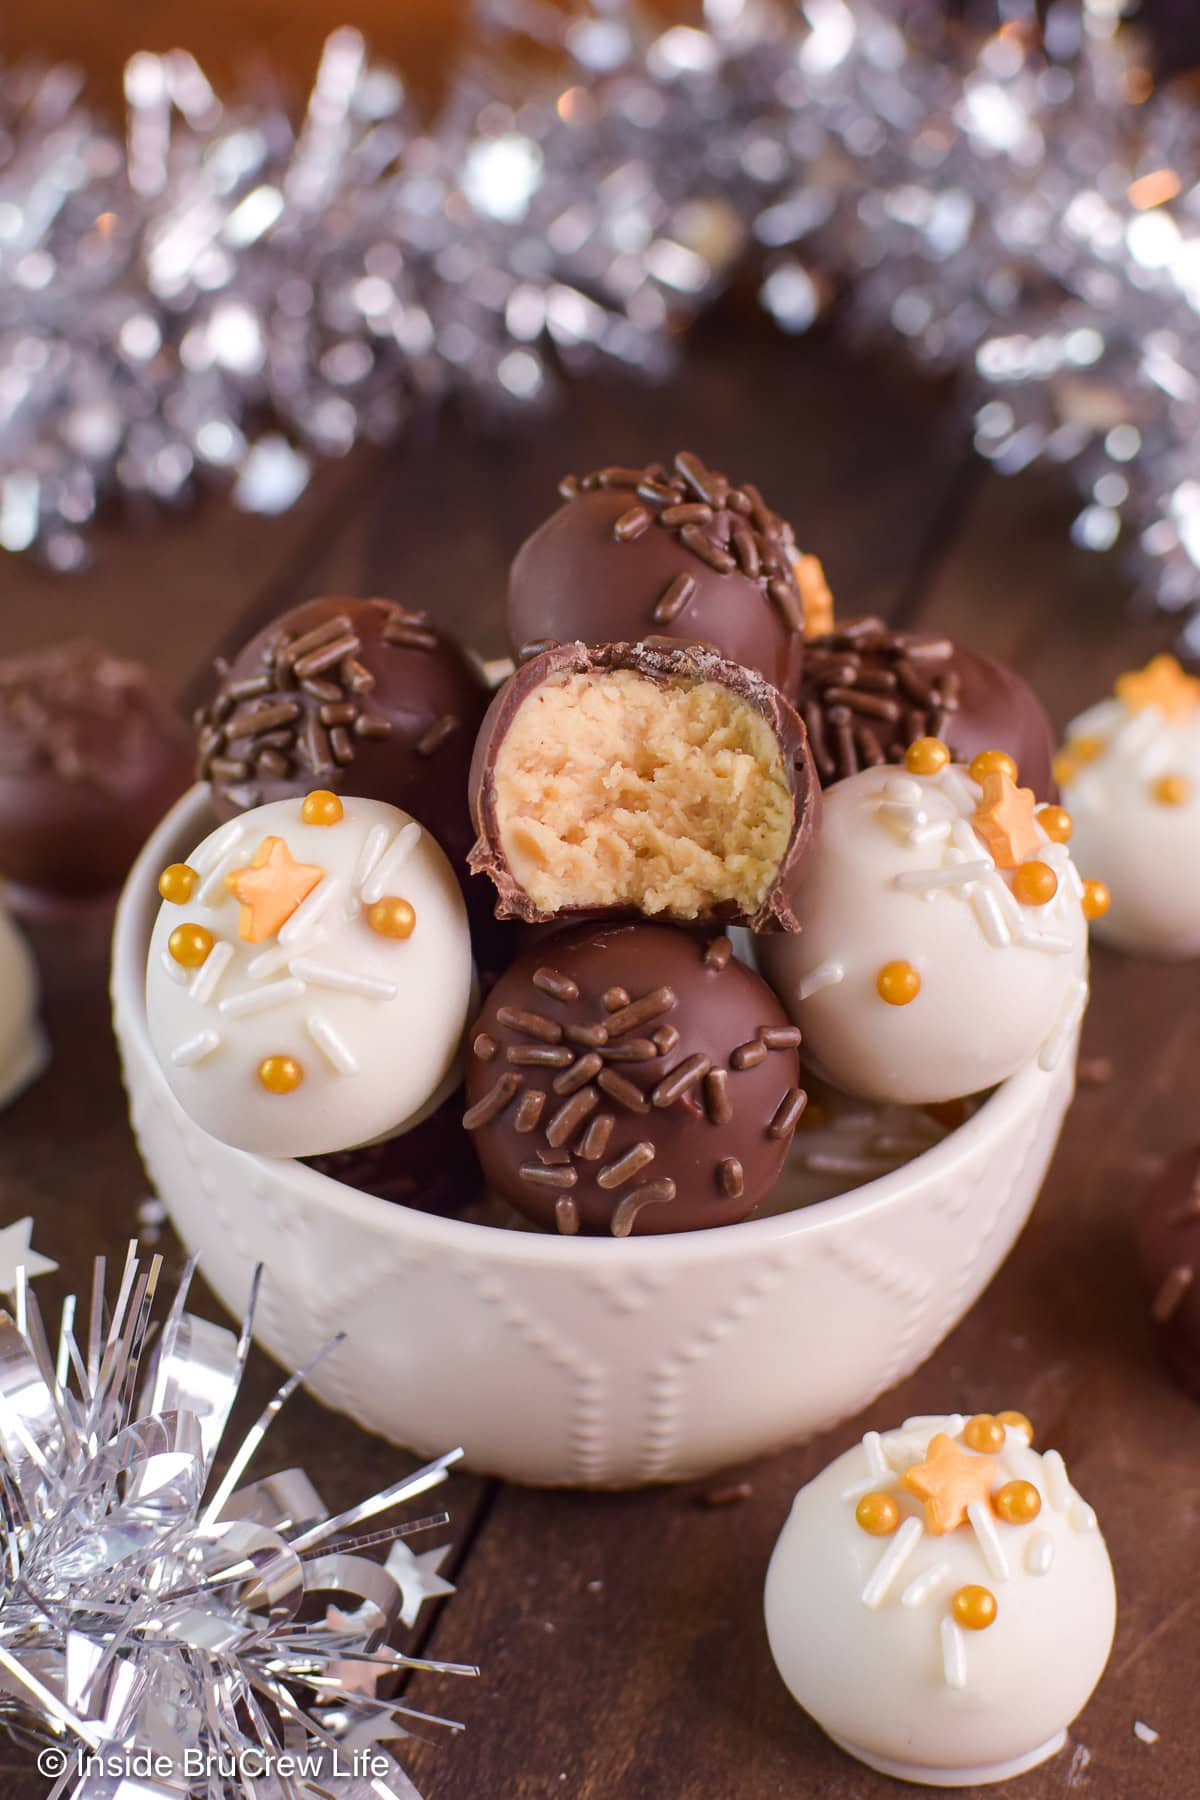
{"x": 222, "y": 292}
{"x": 165, "y": 1635}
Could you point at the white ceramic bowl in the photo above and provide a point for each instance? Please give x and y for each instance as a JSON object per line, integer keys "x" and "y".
{"x": 583, "y": 1361}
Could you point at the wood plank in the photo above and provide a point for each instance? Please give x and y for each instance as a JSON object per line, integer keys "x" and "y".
{"x": 169, "y": 587}
{"x": 621, "y": 1636}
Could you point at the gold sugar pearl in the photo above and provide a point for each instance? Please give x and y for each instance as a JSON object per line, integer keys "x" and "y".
{"x": 926, "y": 756}
{"x": 1085, "y": 749}
{"x": 984, "y": 1433}
{"x": 1096, "y": 899}
{"x": 1017, "y": 1502}
{"x": 1172, "y": 790}
{"x": 322, "y": 808}
{"x": 1056, "y": 822}
{"x": 1064, "y": 769}
{"x": 1034, "y": 883}
{"x": 280, "y": 1074}
{"x": 177, "y": 883}
{"x": 898, "y": 983}
{"x": 1017, "y": 1421}
{"x": 190, "y": 945}
{"x": 974, "y": 1607}
{"x": 992, "y": 762}
{"x": 878, "y": 1513}
{"x": 392, "y": 917}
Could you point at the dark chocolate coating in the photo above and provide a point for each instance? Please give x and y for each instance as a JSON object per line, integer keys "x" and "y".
{"x": 432, "y": 1168}
{"x": 555, "y": 1017}
{"x": 872, "y": 677}
{"x": 92, "y": 754}
{"x": 392, "y": 716}
{"x": 665, "y": 663}
{"x": 577, "y": 579}
{"x": 1168, "y": 1245}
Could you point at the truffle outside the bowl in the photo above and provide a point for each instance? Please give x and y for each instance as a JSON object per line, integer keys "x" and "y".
{"x": 585, "y": 1362}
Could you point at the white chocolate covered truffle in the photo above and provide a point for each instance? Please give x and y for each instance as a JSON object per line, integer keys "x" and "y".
{"x": 23, "y": 1049}
{"x": 941, "y": 1600}
{"x": 309, "y": 976}
{"x": 943, "y": 943}
{"x": 1130, "y": 776}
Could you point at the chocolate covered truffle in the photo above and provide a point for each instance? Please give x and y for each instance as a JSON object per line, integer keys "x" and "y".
{"x": 24, "y": 1051}
{"x": 941, "y": 1600}
{"x": 360, "y": 696}
{"x": 868, "y": 692}
{"x": 1130, "y": 774}
{"x": 681, "y": 552}
{"x": 309, "y": 976}
{"x": 645, "y": 778}
{"x": 632, "y": 1079}
{"x": 91, "y": 755}
{"x": 944, "y": 932}
{"x": 1168, "y": 1241}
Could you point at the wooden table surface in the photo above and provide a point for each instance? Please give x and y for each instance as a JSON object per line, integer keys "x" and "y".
{"x": 620, "y": 1637}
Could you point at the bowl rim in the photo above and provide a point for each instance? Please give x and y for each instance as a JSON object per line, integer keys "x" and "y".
{"x": 999, "y": 1114}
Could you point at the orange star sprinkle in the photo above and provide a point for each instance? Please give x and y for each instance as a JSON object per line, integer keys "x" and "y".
{"x": 270, "y": 889}
{"x": 815, "y": 597}
{"x": 1161, "y": 683}
{"x": 947, "y": 1481}
{"x": 1006, "y": 820}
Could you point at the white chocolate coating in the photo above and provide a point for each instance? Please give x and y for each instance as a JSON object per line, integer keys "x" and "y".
{"x": 901, "y": 875}
{"x": 23, "y": 1049}
{"x": 1147, "y": 853}
{"x": 862, "y": 1631}
{"x": 375, "y": 1022}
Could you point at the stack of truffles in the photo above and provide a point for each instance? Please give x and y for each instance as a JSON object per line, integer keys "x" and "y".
{"x": 611, "y": 898}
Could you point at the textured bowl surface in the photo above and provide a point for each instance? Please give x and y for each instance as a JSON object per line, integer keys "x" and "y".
{"x": 573, "y": 1361}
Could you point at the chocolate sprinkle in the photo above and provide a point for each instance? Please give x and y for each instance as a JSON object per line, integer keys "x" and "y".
{"x": 731, "y": 1176}
{"x": 718, "y": 953}
{"x": 716, "y": 1097}
{"x": 531, "y": 1023}
{"x": 623, "y": 1092}
{"x": 579, "y": 1074}
{"x": 559, "y": 1176}
{"x": 595, "y": 1138}
{"x": 1172, "y": 1293}
{"x": 570, "y": 1117}
{"x": 788, "y": 1113}
{"x": 674, "y": 599}
{"x": 654, "y": 1194}
{"x": 437, "y": 734}
{"x": 675, "y": 1084}
{"x": 559, "y": 987}
{"x": 529, "y": 1109}
{"x": 539, "y": 1056}
{"x": 641, "y": 1012}
{"x": 626, "y": 1167}
{"x": 492, "y": 1104}
{"x": 566, "y": 1216}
